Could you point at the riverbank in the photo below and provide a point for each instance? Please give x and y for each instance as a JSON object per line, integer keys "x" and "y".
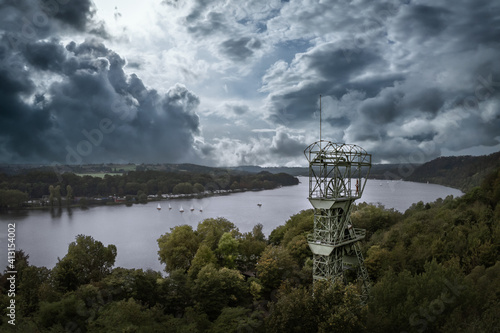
{"x": 83, "y": 202}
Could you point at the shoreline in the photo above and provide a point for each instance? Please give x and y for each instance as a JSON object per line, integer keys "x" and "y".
{"x": 131, "y": 203}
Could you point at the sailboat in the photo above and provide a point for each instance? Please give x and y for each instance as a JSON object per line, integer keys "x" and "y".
{"x": 181, "y": 210}
{"x": 192, "y": 208}
{"x": 169, "y": 207}
{"x": 159, "y": 207}
{"x": 201, "y": 209}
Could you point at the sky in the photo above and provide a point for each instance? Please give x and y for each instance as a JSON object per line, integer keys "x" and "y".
{"x": 227, "y": 83}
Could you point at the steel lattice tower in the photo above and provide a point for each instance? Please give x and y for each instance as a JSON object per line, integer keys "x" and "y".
{"x": 337, "y": 177}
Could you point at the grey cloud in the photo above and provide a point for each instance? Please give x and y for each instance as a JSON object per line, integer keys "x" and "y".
{"x": 432, "y": 65}
{"x": 213, "y": 23}
{"x": 323, "y": 71}
{"x": 240, "y": 49}
{"x": 94, "y": 112}
{"x": 236, "y": 108}
{"x": 284, "y": 145}
{"x": 45, "y": 55}
{"x": 26, "y": 21}
{"x": 74, "y": 13}
{"x": 424, "y": 21}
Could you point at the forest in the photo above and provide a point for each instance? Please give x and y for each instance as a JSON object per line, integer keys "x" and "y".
{"x": 18, "y": 188}
{"x": 433, "y": 268}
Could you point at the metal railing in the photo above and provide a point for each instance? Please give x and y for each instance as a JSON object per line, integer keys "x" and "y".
{"x": 359, "y": 234}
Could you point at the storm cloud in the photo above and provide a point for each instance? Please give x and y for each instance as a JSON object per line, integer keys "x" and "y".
{"x": 401, "y": 78}
{"x": 422, "y": 72}
{"x": 72, "y": 102}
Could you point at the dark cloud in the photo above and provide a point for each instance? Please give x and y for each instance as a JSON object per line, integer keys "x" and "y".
{"x": 214, "y": 22}
{"x": 73, "y": 13}
{"x": 419, "y": 71}
{"x": 25, "y": 21}
{"x": 75, "y": 104}
{"x": 424, "y": 21}
{"x": 241, "y": 48}
{"x": 44, "y": 55}
{"x": 284, "y": 145}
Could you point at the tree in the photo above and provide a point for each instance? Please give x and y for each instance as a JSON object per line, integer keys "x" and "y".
{"x": 228, "y": 250}
{"x": 57, "y": 315}
{"x": 128, "y": 316}
{"x": 142, "y": 197}
{"x": 251, "y": 246}
{"x": 274, "y": 266}
{"x": 175, "y": 293}
{"x": 334, "y": 307}
{"x": 212, "y": 229}
{"x": 51, "y": 195}
{"x": 215, "y": 289}
{"x": 257, "y": 232}
{"x": 12, "y": 199}
{"x": 198, "y": 188}
{"x": 203, "y": 257}
{"x": 69, "y": 194}
{"x": 177, "y": 248}
{"x": 183, "y": 188}
{"x": 57, "y": 195}
{"x": 87, "y": 261}
{"x": 237, "y": 319}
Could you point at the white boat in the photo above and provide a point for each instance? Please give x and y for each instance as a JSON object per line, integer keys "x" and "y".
{"x": 169, "y": 207}
{"x": 181, "y": 210}
{"x": 192, "y": 208}
{"x": 159, "y": 207}
{"x": 201, "y": 209}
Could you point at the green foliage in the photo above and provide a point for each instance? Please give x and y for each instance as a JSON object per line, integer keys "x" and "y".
{"x": 434, "y": 268}
{"x": 215, "y": 289}
{"x": 36, "y": 183}
{"x": 203, "y": 257}
{"x": 183, "y": 188}
{"x": 277, "y": 235}
{"x": 298, "y": 224}
{"x": 211, "y": 230}
{"x": 198, "y": 188}
{"x": 12, "y": 199}
{"x": 177, "y": 248}
{"x": 251, "y": 246}
{"x": 373, "y": 218}
{"x": 293, "y": 235}
{"x": 175, "y": 293}
{"x": 228, "y": 250}
{"x": 332, "y": 308}
{"x": 128, "y": 316}
{"x": 275, "y": 266}
{"x": 463, "y": 172}
{"x": 70, "y": 310}
{"x": 237, "y": 319}
{"x": 406, "y": 301}
{"x": 87, "y": 261}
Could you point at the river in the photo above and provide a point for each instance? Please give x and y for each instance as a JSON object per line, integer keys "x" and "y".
{"x": 45, "y": 235}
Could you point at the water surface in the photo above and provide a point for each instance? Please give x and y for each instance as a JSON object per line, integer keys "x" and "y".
{"x": 45, "y": 235}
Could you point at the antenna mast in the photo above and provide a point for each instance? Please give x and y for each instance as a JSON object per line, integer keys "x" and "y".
{"x": 319, "y": 121}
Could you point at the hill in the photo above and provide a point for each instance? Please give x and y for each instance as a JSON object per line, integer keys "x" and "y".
{"x": 462, "y": 172}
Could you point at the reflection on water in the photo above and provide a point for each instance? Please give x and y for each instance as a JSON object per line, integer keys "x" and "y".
{"x": 45, "y": 235}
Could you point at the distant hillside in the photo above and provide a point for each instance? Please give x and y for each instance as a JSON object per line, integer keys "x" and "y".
{"x": 294, "y": 171}
{"x": 462, "y": 172}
